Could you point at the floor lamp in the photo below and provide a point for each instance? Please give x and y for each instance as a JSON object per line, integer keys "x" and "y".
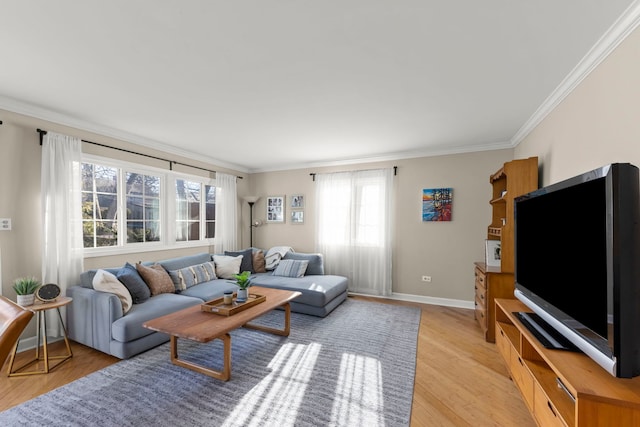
{"x": 251, "y": 200}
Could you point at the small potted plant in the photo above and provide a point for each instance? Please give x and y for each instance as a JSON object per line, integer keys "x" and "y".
{"x": 243, "y": 281}
{"x": 25, "y": 288}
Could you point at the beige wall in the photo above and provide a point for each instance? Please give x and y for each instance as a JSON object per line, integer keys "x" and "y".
{"x": 597, "y": 124}
{"x": 444, "y": 250}
{"x": 20, "y": 156}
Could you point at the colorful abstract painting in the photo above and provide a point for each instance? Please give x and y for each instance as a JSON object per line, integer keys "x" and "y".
{"x": 436, "y": 204}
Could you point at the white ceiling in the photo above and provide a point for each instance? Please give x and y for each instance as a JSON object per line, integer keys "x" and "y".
{"x": 278, "y": 84}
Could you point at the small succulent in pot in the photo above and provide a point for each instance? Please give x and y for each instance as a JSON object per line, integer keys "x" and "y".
{"x": 26, "y": 285}
{"x": 243, "y": 280}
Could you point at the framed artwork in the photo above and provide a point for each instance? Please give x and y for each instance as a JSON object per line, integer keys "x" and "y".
{"x": 436, "y": 204}
{"x": 492, "y": 253}
{"x": 297, "y": 201}
{"x": 275, "y": 209}
{"x": 297, "y": 217}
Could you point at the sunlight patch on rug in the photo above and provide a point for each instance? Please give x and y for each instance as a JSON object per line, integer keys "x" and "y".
{"x": 358, "y": 397}
{"x": 277, "y": 398}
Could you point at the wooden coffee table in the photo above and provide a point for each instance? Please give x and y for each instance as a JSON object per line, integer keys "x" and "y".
{"x": 194, "y": 324}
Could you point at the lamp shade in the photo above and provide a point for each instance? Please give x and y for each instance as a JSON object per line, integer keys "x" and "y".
{"x": 251, "y": 199}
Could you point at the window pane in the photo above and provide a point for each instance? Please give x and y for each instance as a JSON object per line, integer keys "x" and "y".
{"x": 134, "y": 208}
{"x": 106, "y": 233}
{"x": 194, "y": 211}
{"x": 107, "y": 206}
{"x": 211, "y": 230}
{"x": 153, "y": 231}
{"x": 194, "y": 231}
{"x": 135, "y": 231}
{"x": 87, "y": 206}
{"x": 152, "y": 209}
{"x": 134, "y": 183}
{"x": 181, "y": 232}
{"x": 152, "y": 186}
{"x": 106, "y": 179}
{"x": 87, "y": 177}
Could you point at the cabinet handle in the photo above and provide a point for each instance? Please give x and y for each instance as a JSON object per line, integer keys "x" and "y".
{"x": 520, "y": 361}
{"x": 551, "y": 409}
{"x": 501, "y": 332}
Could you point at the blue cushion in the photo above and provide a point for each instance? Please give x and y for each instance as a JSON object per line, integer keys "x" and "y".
{"x": 291, "y": 268}
{"x": 316, "y": 263}
{"x": 247, "y": 259}
{"x": 137, "y": 287}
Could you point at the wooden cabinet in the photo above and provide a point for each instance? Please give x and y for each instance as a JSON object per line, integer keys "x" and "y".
{"x": 489, "y": 286}
{"x": 562, "y": 388}
{"x": 513, "y": 179}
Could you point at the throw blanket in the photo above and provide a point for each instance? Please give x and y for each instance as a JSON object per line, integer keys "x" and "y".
{"x": 274, "y": 255}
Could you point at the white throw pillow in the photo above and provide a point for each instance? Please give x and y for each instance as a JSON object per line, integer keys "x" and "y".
{"x": 104, "y": 281}
{"x": 227, "y": 266}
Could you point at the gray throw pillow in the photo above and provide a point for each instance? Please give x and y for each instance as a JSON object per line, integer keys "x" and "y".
{"x": 132, "y": 280}
{"x": 247, "y": 259}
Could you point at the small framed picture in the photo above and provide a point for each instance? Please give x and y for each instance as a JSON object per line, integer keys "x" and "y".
{"x": 492, "y": 253}
{"x": 297, "y": 217}
{"x": 275, "y": 209}
{"x": 297, "y": 201}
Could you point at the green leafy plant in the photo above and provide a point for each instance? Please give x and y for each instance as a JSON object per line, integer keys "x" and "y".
{"x": 26, "y": 285}
{"x": 243, "y": 280}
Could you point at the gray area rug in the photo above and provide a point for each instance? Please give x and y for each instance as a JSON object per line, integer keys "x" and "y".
{"x": 355, "y": 367}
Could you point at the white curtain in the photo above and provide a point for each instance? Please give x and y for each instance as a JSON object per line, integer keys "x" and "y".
{"x": 226, "y": 213}
{"x": 353, "y": 211}
{"x": 61, "y": 184}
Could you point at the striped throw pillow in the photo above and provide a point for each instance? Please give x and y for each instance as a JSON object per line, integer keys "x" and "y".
{"x": 291, "y": 268}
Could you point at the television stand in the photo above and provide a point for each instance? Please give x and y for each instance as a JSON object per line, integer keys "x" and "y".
{"x": 562, "y": 388}
{"x": 544, "y": 332}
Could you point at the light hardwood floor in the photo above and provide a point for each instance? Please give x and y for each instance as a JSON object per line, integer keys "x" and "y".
{"x": 460, "y": 379}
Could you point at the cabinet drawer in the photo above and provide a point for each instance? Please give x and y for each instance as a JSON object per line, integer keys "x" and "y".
{"x": 503, "y": 344}
{"x": 545, "y": 413}
{"x": 522, "y": 377}
{"x": 481, "y": 279}
{"x": 481, "y": 315}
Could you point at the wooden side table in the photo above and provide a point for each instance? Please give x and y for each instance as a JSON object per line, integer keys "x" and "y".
{"x": 39, "y": 308}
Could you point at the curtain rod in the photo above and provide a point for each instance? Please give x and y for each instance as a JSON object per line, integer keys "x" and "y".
{"x": 171, "y": 162}
{"x": 395, "y": 172}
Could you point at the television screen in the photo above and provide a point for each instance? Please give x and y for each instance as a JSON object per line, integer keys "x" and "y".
{"x": 561, "y": 253}
{"x": 577, "y": 246}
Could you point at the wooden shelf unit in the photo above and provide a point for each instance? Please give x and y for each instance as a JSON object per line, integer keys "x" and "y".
{"x": 513, "y": 179}
{"x": 562, "y": 388}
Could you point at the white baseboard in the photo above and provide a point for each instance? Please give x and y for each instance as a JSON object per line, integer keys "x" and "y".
{"x": 447, "y": 302}
{"x": 30, "y": 342}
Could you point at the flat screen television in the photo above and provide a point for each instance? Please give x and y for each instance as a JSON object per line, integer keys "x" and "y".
{"x": 577, "y": 263}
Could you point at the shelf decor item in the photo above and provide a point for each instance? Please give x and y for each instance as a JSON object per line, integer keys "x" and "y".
{"x": 25, "y": 288}
{"x": 492, "y": 253}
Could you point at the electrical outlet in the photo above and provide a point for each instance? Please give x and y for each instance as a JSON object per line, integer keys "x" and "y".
{"x": 5, "y": 224}
{"x": 426, "y": 278}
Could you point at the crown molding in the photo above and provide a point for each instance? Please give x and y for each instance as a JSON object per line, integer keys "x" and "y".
{"x": 24, "y": 108}
{"x": 615, "y": 35}
{"x": 430, "y": 152}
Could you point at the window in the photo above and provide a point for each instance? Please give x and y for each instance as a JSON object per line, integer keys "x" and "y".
{"x": 143, "y": 208}
{"x": 191, "y": 213}
{"x": 99, "y": 205}
{"x": 124, "y": 205}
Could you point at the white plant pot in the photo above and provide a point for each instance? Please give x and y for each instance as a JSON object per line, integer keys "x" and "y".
{"x": 242, "y": 295}
{"x": 25, "y": 300}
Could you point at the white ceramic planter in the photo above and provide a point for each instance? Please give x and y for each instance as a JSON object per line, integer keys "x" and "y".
{"x": 25, "y": 300}
{"x": 243, "y": 294}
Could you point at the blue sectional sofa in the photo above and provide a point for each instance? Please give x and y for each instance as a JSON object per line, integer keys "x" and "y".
{"x": 97, "y": 319}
